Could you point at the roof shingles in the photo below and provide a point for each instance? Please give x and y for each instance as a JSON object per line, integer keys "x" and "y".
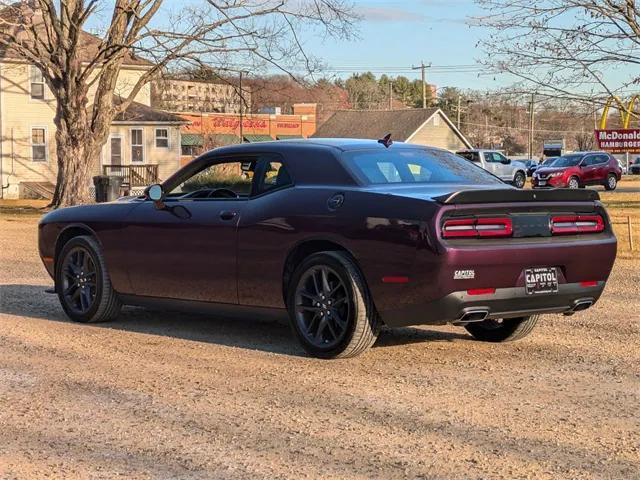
{"x": 374, "y": 123}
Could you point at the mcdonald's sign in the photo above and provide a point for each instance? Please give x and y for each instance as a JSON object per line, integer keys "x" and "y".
{"x": 619, "y": 140}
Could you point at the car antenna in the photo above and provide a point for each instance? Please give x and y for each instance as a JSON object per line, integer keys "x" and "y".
{"x": 386, "y": 140}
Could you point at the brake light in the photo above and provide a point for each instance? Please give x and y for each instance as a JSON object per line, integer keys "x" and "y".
{"x": 481, "y": 291}
{"x": 485, "y": 227}
{"x": 571, "y": 224}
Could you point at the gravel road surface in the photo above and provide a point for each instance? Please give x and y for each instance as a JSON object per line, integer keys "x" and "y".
{"x": 169, "y": 395}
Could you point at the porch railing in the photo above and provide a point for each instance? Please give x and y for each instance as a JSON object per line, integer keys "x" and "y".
{"x": 133, "y": 175}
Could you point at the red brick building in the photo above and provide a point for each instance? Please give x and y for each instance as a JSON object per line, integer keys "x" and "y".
{"x": 210, "y": 130}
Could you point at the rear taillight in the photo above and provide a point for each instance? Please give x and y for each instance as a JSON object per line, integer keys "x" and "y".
{"x": 574, "y": 224}
{"x": 476, "y": 227}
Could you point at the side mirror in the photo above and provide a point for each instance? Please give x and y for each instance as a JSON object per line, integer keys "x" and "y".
{"x": 506, "y": 161}
{"x": 155, "y": 193}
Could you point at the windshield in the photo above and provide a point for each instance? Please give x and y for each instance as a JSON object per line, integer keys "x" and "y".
{"x": 567, "y": 161}
{"x": 415, "y": 166}
{"x": 549, "y": 161}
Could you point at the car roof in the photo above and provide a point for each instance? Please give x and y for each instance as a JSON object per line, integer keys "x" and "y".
{"x": 341, "y": 144}
{"x": 587, "y": 152}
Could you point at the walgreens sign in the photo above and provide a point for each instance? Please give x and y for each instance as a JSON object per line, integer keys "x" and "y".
{"x": 619, "y": 140}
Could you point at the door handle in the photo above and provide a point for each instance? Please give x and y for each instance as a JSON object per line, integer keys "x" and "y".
{"x": 228, "y": 215}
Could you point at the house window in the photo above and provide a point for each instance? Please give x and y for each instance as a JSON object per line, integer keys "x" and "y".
{"x": 38, "y": 144}
{"x": 137, "y": 149}
{"x": 116, "y": 154}
{"x": 37, "y": 83}
{"x": 162, "y": 138}
{"x": 436, "y": 121}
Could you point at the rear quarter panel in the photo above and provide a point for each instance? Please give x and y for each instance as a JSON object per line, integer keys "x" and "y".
{"x": 382, "y": 232}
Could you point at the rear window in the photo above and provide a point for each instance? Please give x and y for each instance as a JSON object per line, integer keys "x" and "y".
{"x": 415, "y": 166}
{"x": 471, "y": 156}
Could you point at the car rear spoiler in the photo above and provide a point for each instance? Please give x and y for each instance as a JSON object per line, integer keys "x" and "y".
{"x": 508, "y": 195}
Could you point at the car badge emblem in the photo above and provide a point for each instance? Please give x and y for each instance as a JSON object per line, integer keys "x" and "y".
{"x": 464, "y": 275}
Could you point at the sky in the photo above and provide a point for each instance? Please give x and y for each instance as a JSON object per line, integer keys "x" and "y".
{"x": 396, "y": 35}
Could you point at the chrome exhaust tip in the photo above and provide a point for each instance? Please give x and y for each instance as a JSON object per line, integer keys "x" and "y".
{"x": 472, "y": 316}
{"x": 582, "y": 305}
{"x": 579, "y": 306}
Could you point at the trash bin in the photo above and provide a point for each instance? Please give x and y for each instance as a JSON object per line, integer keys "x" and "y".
{"x": 107, "y": 187}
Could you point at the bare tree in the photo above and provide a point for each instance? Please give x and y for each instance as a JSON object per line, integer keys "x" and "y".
{"x": 567, "y": 48}
{"x": 82, "y": 70}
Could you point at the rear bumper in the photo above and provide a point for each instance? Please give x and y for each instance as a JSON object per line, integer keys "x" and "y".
{"x": 504, "y": 303}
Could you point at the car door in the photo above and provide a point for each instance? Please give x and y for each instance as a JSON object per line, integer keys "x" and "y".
{"x": 187, "y": 250}
{"x": 588, "y": 169}
{"x": 602, "y": 168}
{"x": 500, "y": 169}
{"x": 490, "y": 163}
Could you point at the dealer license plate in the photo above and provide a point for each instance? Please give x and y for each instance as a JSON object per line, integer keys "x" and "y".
{"x": 541, "y": 280}
{"x": 542, "y": 183}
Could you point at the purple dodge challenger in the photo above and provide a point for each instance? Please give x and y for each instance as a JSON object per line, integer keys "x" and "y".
{"x": 344, "y": 236}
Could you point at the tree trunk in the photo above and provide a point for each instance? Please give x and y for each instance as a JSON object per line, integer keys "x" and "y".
{"x": 77, "y": 157}
{"x": 78, "y": 148}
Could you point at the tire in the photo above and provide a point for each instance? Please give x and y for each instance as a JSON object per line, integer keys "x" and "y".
{"x": 325, "y": 287}
{"x": 96, "y": 300}
{"x": 611, "y": 183}
{"x": 519, "y": 179}
{"x": 506, "y": 330}
{"x": 573, "y": 183}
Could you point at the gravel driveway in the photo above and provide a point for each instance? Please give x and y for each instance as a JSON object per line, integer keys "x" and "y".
{"x": 168, "y": 395}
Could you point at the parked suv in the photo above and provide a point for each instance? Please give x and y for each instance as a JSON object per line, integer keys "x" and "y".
{"x": 578, "y": 170}
{"x": 509, "y": 171}
{"x": 634, "y": 168}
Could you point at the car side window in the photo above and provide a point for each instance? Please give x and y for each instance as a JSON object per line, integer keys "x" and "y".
{"x": 275, "y": 176}
{"x": 232, "y": 179}
{"x": 489, "y": 157}
{"x": 498, "y": 157}
{"x": 602, "y": 159}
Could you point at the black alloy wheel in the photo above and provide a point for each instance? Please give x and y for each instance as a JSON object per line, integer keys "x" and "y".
{"x": 83, "y": 284}
{"x": 322, "y": 307}
{"x": 330, "y": 307}
{"x": 79, "y": 280}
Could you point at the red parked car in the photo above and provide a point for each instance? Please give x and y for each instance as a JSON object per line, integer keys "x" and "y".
{"x": 579, "y": 169}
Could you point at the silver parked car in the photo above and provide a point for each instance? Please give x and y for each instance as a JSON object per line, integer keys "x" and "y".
{"x": 509, "y": 171}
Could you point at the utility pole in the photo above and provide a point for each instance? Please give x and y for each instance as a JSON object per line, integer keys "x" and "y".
{"x": 241, "y": 109}
{"x": 390, "y": 95}
{"x": 531, "y": 119}
{"x": 458, "y": 112}
{"x": 422, "y": 69}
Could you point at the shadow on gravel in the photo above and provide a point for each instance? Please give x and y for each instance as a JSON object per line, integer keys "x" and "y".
{"x": 253, "y": 333}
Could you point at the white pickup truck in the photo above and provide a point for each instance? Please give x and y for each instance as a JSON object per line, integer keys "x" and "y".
{"x": 509, "y": 171}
